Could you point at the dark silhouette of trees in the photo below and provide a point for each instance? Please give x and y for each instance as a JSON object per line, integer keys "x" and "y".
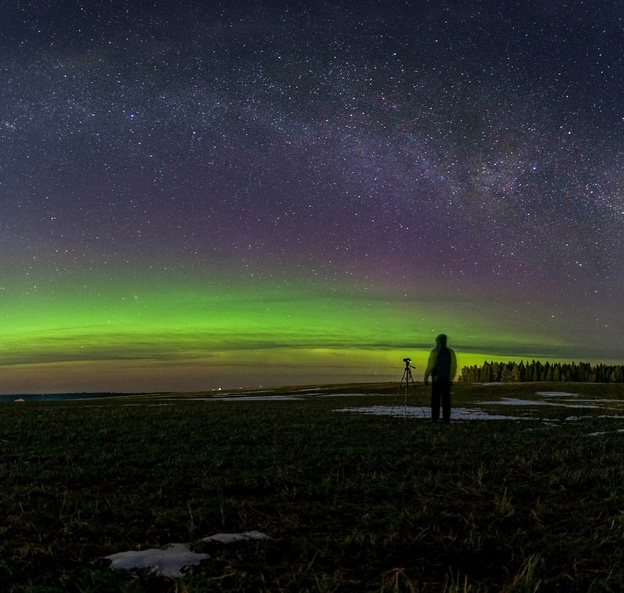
{"x": 513, "y": 372}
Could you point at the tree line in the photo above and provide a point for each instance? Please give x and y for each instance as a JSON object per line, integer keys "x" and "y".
{"x": 505, "y": 372}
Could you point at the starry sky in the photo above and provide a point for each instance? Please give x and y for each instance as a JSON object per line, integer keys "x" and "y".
{"x": 199, "y": 194}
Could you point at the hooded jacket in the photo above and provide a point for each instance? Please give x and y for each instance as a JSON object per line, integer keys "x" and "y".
{"x": 442, "y": 364}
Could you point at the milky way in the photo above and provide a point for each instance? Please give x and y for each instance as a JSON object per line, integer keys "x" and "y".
{"x": 203, "y": 194}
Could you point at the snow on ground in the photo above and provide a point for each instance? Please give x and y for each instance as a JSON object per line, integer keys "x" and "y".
{"x": 597, "y": 434}
{"x": 512, "y": 401}
{"x": 172, "y": 559}
{"x": 556, "y": 394}
{"x": 399, "y": 407}
{"x": 358, "y": 395}
{"x": 248, "y": 398}
{"x": 231, "y": 538}
{"x": 425, "y": 412}
{"x": 167, "y": 562}
{"x": 567, "y": 400}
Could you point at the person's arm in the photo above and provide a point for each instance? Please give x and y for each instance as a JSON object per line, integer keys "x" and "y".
{"x": 453, "y": 365}
{"x": 433, "y": 359}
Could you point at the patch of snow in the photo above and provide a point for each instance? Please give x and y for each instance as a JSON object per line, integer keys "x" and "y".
{"x": 557, "y": 394}
{"x": 145, "y": 405}
{"x": 424, "y": 412}
{"x": 360, "y": 395}
{"x": 249, "y": 398}
{"x": 512, "y": 401}
{"x": 170, "y": 560}
{"x": 230, "y": 538}
{"x": 167, "y": 562}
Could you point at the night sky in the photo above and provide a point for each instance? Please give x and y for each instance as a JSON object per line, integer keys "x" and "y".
{"x": 197, "y": 195}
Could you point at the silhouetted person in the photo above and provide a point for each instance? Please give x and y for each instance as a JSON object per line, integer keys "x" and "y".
{"x": 442, "y": 367}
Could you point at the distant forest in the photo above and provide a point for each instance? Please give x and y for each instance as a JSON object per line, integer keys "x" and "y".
{"x": 504, "y": 372}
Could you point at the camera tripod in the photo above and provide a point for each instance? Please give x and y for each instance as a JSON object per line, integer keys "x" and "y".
{"x": 406, "y": 378}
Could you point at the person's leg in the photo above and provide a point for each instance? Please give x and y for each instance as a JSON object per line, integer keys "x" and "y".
{"x": 445, "y": 393}
{"x": 435, "y": 401}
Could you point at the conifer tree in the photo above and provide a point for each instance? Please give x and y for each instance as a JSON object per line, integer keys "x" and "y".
{"x": 536, "y": 371}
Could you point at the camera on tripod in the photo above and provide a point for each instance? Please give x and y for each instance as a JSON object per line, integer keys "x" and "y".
{"x": 406, "y": 379}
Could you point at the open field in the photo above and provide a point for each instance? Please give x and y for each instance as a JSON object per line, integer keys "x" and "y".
{"x": 379, "y": 501}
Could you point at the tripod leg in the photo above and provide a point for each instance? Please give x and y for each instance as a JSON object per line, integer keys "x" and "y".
{"x": 404, "y": 377}
{"x": 401, "y": 383}
{"x": 422, "y": 408}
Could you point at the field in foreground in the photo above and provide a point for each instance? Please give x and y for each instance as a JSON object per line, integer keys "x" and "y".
{"x": 387, "y": 501}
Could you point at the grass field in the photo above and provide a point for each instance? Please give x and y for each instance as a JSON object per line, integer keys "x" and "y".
{"x": 352, "y": 502}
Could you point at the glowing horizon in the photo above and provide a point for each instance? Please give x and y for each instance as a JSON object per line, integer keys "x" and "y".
{"x": 184, "y": 333}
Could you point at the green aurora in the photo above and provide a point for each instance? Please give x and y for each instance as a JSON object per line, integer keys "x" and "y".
{"x": 133, "y": 332}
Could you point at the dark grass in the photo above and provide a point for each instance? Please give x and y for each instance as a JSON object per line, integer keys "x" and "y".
{"x": 352, "y": 502}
